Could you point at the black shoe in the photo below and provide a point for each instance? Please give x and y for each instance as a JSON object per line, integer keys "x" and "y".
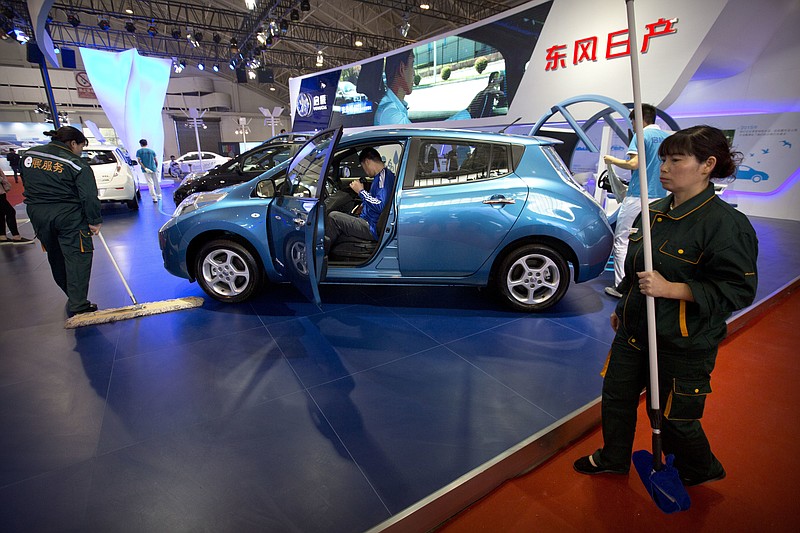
{"x": 90, "y": 309}
{"x": 590, "y": 466}
{"x": 693, "y": 482}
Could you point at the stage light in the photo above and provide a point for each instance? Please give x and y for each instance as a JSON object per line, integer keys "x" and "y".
{"x": 271, "y": 87}
{"x": 178, "y": 66}
{"x": 251, "y": 74}
{"x": 216, "y": 38}
{"x": 273, "y": 28}
{"x": 232, "y": 64}
{"x": 20, "y": 36}
{"x": 215, "y": 68}
{"x": 73, "y": 19}
{"x": 320, "y": 59}
{"x": 295, "y": 15}
{"x": 151, "y": 29}
{"x": 305, "y": 5}
{"x": 284, "y": 26}
{"x": 176, "y": 33}
{"x": 358, "y": 42}
{"x": 424, "y": 5}
{"x": 129, "y": 11}
{"x": 103, "y": 23}
{"x": 234, "y": 46}
{"x": 201, "y": 66}
{"x": 404, "y": 27}
{"x": 130, "y": 27}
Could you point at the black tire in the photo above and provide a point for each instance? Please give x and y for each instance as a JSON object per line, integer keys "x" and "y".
{"x": 532, "y": 278}
{"x": 227, "y": 271}
{"x": 133, "y": 204}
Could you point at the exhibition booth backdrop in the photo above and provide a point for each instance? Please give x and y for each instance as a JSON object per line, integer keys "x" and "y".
{"x": 515, "y": 66}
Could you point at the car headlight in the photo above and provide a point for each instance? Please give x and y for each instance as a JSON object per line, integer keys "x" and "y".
{"x": 195, "y": 201}
{"x": 192, "y": 176}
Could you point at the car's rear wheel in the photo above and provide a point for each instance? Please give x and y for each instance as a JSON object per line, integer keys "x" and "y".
{"x": 227, "y": 271}
{"x": 532, "y": 278}
{"x": 133, "y": 204}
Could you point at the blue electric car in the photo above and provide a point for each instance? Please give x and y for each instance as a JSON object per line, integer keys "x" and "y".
{"x": 468, "y": 208}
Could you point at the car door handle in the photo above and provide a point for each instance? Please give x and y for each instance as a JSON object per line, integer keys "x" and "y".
{"x": 499, "y": 199}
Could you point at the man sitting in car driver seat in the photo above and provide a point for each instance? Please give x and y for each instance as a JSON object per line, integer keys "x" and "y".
{"x": 363, "y": 227}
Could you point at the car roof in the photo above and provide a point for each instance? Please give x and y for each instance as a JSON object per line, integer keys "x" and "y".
{"x": 453, "y": 134}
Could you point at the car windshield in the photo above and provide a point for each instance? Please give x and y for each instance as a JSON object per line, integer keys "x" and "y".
{"x": 98, "y": 157}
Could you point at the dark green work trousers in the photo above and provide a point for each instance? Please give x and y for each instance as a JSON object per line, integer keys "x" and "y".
{"x": 67, "y": 239}
{"x": 684, "y": 380}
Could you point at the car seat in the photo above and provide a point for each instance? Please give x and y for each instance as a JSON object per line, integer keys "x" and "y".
{"x": 356, "y": 251}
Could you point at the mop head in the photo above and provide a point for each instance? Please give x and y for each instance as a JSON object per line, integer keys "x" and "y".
{"x": 664, "y": 485}
{"x": 104, "y": 316}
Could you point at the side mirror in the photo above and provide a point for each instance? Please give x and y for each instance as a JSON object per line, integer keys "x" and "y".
{"x": 265, "y": 189}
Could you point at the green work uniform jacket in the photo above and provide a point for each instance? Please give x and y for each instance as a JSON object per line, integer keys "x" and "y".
{"x": 55, "y": 176}
{"x": 705, "y": 243}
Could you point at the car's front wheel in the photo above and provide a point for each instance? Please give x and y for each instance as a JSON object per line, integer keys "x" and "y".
{"x": 533, "y": 278}
{"x": 227, "y": 271}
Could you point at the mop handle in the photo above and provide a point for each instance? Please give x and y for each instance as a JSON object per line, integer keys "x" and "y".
{"x": 648, "y": 246}
{"x": 116, "y": 266}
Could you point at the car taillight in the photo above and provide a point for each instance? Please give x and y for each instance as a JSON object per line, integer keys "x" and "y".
{"x": 116, "y": 172}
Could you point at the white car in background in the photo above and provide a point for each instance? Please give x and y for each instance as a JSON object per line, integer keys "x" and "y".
{"x": 113, "y": 172}
{"x": 192, "y": 162}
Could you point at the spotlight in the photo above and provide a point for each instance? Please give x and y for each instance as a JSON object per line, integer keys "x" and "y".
{"x": 234, "y": 46}
{"x": 201, "y": 66}
{"x": 193, "y": 38}
{"x": 271, "y": 87}
{"x": 358, "y": 42}
{"x": 176, "y": 33}
{"x": 284, "y": 26}
{"x": 198, "y": 36}
{"x": 320, "y": 59}
{"x": 130, "y": 27}
{"x": 177, "y": 67}
{"x": 216, "y": 38}
{"x": 273, "y": 28}
{"x": 404, "y": 27}
{"x": 103, "y": 23}
{"x": 251, "y": 74}
{"x": 73, "y": 19}
{"x": 305, "y": 5}
{"x": 215, "y": 68}
{"x": 295, "y": 15}
{"x": 269, "y": 41}
{"x": 151, "y": 29}
{"x": 424, "y": 5}
{"x": 232, "y": 64}
{"x": 19, "y": 35}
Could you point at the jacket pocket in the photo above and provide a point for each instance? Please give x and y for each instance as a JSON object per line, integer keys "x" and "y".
{"x": 682, "y": 252}
{"x": 687, "y": 399}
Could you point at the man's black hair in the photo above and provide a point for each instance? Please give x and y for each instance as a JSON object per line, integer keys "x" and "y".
{"x": 370, "y": 153}
{"x": 142, "y": 142}
{"x": 648, "y": 114}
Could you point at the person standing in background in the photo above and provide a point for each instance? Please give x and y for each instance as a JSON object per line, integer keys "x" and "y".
{"x": 149, "y": 162}
{"x": 631, "y": 205}
{"x": 13, "y": 162}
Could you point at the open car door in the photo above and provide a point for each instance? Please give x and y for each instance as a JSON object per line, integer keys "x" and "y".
{"x": 297, "y": 219}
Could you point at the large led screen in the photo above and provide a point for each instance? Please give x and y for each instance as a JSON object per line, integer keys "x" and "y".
{"x": 475, "y": 74}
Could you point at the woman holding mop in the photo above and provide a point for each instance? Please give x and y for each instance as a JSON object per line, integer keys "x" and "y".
{"x": 704, "y": 268}
{"x": 61, "y": 197}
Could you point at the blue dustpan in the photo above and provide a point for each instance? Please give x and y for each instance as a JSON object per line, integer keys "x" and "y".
{"x": 664, "y": 485}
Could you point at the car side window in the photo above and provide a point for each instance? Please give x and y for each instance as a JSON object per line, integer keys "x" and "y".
{"x": 349, "y": 169}
{"x": 459, "y": 162}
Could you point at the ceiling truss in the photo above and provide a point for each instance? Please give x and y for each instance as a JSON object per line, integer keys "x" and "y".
{"x": 331, "y": 27}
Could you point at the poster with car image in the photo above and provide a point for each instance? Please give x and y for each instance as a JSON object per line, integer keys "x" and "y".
{"x": 471, "y": 75}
